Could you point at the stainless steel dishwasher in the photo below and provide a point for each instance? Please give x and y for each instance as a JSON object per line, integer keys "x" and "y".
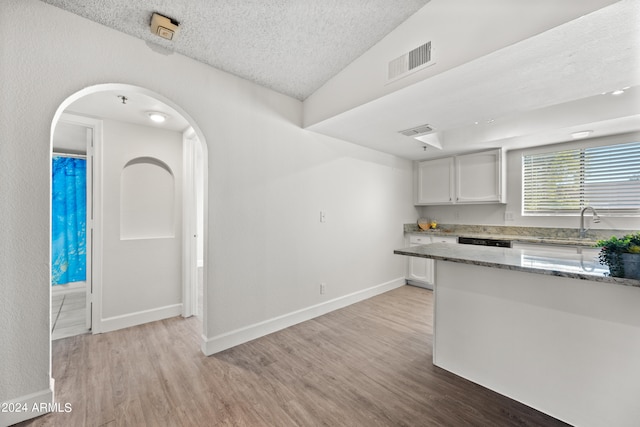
{"x": 500, "y": 243}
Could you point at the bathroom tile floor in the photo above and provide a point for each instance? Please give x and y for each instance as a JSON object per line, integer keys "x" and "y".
{"x": 68, "y": 314}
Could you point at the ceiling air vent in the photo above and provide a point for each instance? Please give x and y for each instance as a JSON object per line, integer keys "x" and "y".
{"x": 418, "y": 57}
{"x": 417, "y": 131}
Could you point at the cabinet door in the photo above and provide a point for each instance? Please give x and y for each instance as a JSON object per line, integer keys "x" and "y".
{"x": 420, "y": 269}
{"x": 435, "y": 182}
{"x": 479, "y": 177}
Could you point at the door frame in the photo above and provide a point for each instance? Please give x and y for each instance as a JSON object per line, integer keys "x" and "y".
{"x": 190, "y": 231}
{"x": 97, "y": 224}
{"x": 93, "y": 220}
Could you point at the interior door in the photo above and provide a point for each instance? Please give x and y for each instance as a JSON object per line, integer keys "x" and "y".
{"x": 73, "y": 138}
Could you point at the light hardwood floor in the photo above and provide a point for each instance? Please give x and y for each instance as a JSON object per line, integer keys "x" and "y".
{"x": 368, "y": 364}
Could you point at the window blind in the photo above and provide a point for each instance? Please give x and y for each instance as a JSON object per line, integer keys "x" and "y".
{"x": 606, "y": 178}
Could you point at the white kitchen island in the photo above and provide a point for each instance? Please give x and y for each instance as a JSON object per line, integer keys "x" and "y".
{"x": 550, "y": 331}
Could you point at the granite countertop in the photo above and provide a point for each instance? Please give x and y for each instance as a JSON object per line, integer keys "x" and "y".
{"x": 586, "y": 242}
{"x": 577, "y": 266}
{"x": 553, "y": 236}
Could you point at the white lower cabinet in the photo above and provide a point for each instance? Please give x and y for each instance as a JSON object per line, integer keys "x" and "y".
{"x": 444, "y": 239}
{"x": 420, "y": 271}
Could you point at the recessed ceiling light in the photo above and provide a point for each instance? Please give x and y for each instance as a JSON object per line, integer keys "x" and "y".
{"x": 157, "y": 117}
{"x": 581, "y": 134}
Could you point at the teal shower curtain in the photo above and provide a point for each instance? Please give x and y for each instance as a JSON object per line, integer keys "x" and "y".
{"x": 68, "y": 220}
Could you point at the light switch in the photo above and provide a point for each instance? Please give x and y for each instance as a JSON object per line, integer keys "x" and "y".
{"x": 323, "y": 216}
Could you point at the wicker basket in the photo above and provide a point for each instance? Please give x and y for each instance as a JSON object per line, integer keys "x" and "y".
{"x": 424, "y": 224}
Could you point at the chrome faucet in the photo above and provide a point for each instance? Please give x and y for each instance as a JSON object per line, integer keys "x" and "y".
{"x": 596, "y": 219}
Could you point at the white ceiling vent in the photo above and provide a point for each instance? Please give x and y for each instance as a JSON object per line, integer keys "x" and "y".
{"x": 418, "y": 58}
{"x": 417, "y": 131}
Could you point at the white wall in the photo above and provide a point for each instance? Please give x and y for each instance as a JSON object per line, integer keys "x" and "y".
{"x": 277, "y": 252}
{"x": 268, "y": 181}
{"x": 142, "y": 263}
{"x": 494, "y": 214}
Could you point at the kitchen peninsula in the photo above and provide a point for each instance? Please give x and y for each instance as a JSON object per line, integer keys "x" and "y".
{"x": 552, "y": 331}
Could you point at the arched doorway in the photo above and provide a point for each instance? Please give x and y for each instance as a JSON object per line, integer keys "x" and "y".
{"x": 147, "y": 200}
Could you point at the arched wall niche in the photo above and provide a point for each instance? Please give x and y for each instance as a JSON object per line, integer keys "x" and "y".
{"x": 147, "y": 200}
{"x": 149, "y": 160}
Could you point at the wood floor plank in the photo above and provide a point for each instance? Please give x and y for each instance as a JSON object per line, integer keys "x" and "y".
{"x": 368, "y": 364}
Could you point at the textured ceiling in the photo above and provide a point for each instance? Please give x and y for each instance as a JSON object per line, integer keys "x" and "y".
{"x": 290, "y": 46}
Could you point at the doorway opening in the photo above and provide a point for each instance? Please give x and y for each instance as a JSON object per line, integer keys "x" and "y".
{"x": 71, "y": 239}
{"x": 163, "y": 176}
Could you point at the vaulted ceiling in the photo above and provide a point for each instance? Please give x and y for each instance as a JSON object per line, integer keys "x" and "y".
{"x": 532, "y": 82}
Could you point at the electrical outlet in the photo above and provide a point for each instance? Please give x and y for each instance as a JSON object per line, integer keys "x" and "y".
{"x": 323, "y": 288}
{"x": 508, "y": 216}
{"x": 323, "y": 216}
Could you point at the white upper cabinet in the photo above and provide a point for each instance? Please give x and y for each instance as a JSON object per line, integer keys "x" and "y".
{"x": 466, "y": 178}
{"x": 435, "y": 182}
{"x": 479, "y": 177}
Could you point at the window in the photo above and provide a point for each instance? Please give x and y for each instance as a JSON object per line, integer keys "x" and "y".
{"x": 563, "y": 182}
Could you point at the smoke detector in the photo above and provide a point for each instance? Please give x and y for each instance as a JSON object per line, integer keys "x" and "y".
{"x": 164, "y": 27}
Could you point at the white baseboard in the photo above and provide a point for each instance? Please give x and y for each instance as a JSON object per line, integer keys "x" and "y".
{"x": 231, "y": 339}
{"x": 26, "y": 407}
{"x": 138, "y": 318}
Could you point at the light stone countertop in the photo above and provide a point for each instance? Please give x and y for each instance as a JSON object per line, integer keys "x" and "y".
{"x": 554, "y": 236}
{"x": 576, "y": 266}
{"x": 586, "y": 242}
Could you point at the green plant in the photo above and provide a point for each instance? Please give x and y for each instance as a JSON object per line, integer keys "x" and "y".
{"x": 613, "y": 248}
